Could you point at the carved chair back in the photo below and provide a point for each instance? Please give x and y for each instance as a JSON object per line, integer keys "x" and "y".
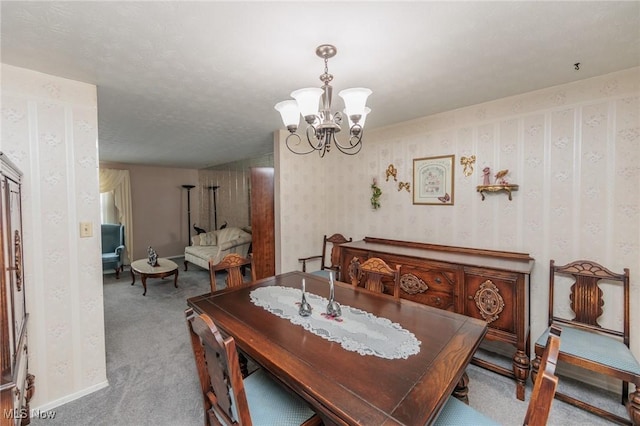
{"x": 334, "y": 254}
{"x": 371, "y": 273}
{"x": 219, "y": 372}
{"x": 586, "y": 296}
{"x": 234, "y": 265}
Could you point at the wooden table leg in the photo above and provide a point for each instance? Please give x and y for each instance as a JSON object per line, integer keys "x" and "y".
{"x": 175, "y": 279}
{"x": 133, "y": 277}
{"x": 461, "y": 391}
{"x": 143, "y": 277}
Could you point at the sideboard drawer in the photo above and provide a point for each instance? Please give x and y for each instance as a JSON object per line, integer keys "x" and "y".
{"x": 433, "y": 287}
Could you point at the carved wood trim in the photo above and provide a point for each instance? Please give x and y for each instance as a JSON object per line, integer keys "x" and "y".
{"x": 489, "y": 301}
{"x": 411, "y": 284}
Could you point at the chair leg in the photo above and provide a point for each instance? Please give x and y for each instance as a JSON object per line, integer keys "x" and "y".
{"x": 118, "y": 272}
{"x": 244, "y": 369}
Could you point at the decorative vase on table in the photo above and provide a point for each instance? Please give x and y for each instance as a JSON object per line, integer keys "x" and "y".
{"x": 305, "y": 307}
{"x": 333, "y": 307}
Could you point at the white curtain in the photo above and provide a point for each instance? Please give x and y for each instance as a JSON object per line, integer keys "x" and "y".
{"x": 118, "y": 181}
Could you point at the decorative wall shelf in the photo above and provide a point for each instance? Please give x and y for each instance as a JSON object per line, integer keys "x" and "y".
{"x": 496, "y": 188}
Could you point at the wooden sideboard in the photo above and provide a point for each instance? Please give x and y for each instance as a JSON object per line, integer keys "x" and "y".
{"x": 486, "y": 284}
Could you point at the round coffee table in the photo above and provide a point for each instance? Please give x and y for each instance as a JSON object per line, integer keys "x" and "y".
{"x": 165, "y": 268}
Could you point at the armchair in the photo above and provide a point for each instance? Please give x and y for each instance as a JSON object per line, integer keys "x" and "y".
{"x": 113, "y": 247}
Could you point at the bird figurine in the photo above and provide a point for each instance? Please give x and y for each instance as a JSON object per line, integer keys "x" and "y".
{"x": 500, "y": 180}
{"x": 199, "y": 230}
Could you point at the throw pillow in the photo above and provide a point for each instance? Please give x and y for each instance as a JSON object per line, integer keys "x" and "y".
{"x": 208, "y": 239}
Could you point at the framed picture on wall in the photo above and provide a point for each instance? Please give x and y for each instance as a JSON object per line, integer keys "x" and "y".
{"x": 433, "y": 180}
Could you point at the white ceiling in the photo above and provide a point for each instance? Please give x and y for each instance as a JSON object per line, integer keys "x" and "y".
{"x": 193, "y": 84}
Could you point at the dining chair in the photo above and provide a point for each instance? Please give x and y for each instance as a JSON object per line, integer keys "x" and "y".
{"x": 456, "y": 412}
{"x": 371, "y": 273}
{"x": 228, "y": 398}
{"x": 595, "y": 348}
{"x": 234, "y": 265}
{"x": 334, "y": 257}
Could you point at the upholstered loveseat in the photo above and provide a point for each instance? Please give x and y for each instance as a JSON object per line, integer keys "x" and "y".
{"x": 216, "y": 245}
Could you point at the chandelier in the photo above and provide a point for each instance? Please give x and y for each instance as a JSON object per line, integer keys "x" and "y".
{"x": 314, "y": 104}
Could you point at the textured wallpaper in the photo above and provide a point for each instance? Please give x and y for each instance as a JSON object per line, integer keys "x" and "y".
{"x": 49, "y": 129}
{"x": 574, "y": 151}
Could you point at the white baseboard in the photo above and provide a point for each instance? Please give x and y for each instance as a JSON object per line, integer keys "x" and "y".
{"x": 72, "y": 397}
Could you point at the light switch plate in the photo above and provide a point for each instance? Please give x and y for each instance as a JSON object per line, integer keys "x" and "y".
{"x": 86, "y": 229}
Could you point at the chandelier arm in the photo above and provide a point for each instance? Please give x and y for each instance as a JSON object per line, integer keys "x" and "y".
{"x": 288, "y": 141}
{"x": 354, "y": 147}
{"x": 315, "y": 142}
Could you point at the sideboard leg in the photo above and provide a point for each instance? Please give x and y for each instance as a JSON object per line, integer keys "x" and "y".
{"x": 521, "y": 365}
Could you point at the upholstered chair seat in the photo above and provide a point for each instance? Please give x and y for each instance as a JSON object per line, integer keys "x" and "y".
{"x": 271, "y": 404}
{"x": 598, "y": 348}
{"x": 456, "y": 412}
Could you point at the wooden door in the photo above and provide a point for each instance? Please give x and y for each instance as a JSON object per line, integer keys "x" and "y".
{"x": 263, "y": 221}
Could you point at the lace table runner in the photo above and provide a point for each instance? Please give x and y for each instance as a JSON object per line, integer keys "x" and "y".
{"x": 356, "y": 330}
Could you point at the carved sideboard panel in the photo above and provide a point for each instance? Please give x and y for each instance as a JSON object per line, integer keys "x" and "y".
{"x": 489, "y": 285}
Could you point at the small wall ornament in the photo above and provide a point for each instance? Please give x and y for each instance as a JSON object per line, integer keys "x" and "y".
{"x": 468, "y": 163}
{"x": 404, "y": 185}
{"x": 376, "y": 192}
{"x": 393, "y": 172}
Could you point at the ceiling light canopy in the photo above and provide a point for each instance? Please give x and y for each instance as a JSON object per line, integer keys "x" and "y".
{"x": 314, "y": 104}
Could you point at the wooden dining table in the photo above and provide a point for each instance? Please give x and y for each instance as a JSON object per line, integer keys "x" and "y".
{"x": 343, "y": 386}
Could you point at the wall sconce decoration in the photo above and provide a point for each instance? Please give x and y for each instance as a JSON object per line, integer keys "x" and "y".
{"x": 404, "y": 185}
{"x": 468, "y": 162}
{"x": 392, "y": 171}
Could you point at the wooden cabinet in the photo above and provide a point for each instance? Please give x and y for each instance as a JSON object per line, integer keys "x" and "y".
{"x": 486, "y": 284}
{"x": 16, "y": 385}
{"x": 263, "y": 241}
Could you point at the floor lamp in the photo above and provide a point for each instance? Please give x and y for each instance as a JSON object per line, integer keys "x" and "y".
{"x": 188, "y": 188}
{"x": 215, "y": 207}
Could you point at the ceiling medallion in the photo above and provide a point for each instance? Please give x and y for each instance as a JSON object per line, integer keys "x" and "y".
{"x": 314, "y": 104}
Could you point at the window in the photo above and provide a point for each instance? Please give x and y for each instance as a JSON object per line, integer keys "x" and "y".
{"x": 108, "y": 210}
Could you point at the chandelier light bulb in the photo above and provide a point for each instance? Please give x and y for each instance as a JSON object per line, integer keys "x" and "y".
{"x": 363, "y": 117}
{"x": 308, "y": 100}
{"x": 290, "y": 113}
{"x": 355, "y": 100}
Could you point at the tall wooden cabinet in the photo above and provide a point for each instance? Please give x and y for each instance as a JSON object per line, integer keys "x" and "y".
{"x": 263, "y": 241}
{"x": 16, "y": 385}
{"x": 486, "y": 284}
